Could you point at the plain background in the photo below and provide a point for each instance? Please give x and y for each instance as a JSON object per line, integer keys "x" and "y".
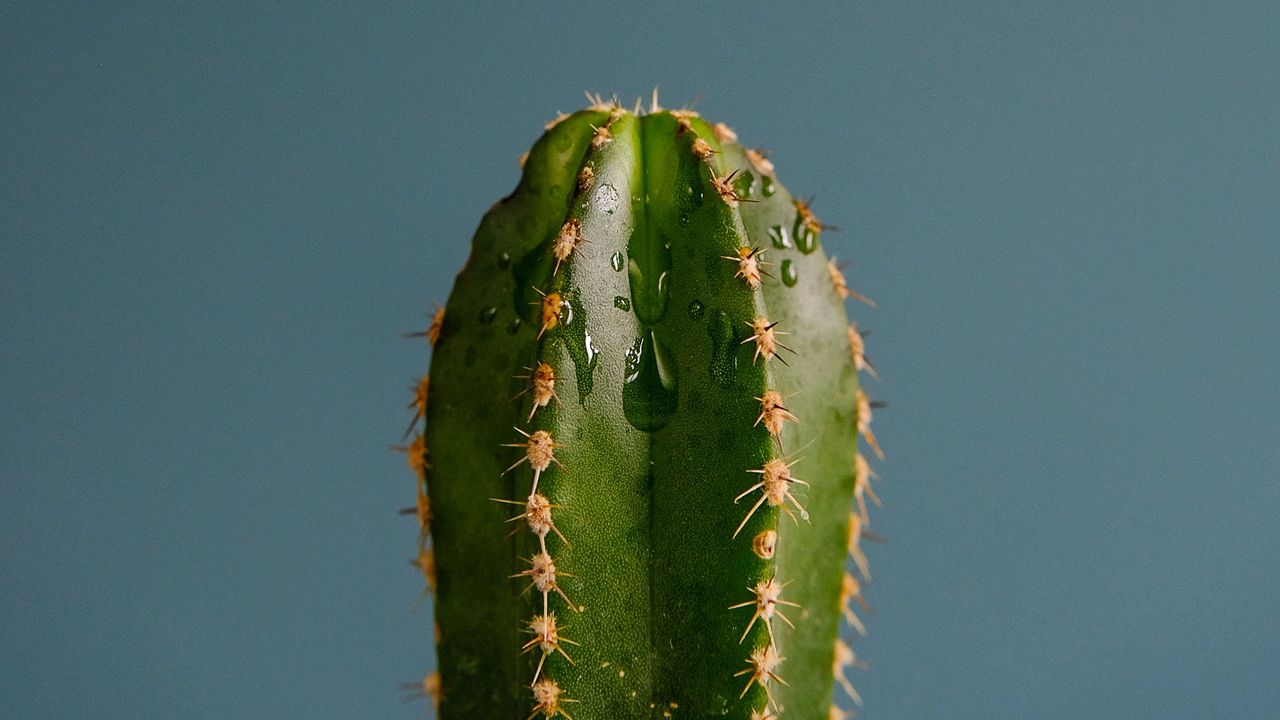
{"x": 216, "y": 221}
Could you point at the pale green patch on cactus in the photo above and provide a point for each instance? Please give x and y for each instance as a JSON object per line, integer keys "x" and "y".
{"x": 646, "y": 371}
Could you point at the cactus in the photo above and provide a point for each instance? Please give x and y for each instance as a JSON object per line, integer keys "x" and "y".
{"x": 639, "y": 476}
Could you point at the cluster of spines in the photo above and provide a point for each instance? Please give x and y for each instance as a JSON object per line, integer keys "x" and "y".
{"x": 416, "y": 453}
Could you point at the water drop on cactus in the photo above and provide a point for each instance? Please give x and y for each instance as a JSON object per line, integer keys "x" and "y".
{"x": 781, "y": 237}
{"x": 789, "y": 273}
{"x": 806, "y": 238}
{"x": 649, "y": 392}
{"x": 606, "y": 198}
{"x": 649, "y": 287}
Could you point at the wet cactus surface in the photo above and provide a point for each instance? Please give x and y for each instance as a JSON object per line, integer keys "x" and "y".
{"x": 640, "y": 490}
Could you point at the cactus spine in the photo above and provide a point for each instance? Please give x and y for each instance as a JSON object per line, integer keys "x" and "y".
{"x": 646, "y": 371}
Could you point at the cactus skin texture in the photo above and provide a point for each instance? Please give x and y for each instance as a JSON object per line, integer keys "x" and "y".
{"x": 647, "y": 330}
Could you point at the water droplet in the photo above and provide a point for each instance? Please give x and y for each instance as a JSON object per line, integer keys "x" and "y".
{"x": 806, "y": 238}
{"x": 690, "y": 178}
{"x": 767, "y": 186}
{"x": 742, "y": 184}
{"x": 789, "y": 275}
{"x": 695, "y": 310}
{"x": 649, "y": 283}
{"x": 807, "y": 241}
{"x": 684, "y": 221}
{"x": 621, "y": 303}
{"x": 606, "y": 198}
{"x": 488, "y": 314}
{"x": 649, "y": 394}
{"x": 693, "y": 197}
{"x": 724, "y": 346}
{"x": 504, "y": 261}
{"x": 513, "y": 327}
{"x": 581, "y": 350}
{"x": 780, "y": 237}
{"x": 616, "y": 261}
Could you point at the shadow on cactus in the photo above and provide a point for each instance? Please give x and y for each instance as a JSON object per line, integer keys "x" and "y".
{"x": 639, "y": 479}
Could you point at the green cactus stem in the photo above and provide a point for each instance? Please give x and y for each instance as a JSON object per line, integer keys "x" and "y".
{"x": 639, "y": 481}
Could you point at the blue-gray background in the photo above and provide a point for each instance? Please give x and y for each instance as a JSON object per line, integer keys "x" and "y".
{"x": 216, "y": 222}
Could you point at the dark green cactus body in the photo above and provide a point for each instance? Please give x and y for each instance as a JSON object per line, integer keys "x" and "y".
{"x": 618, "y": 266}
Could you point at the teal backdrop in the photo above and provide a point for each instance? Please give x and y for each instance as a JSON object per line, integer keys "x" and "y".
{"x": 217, "y": 219}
